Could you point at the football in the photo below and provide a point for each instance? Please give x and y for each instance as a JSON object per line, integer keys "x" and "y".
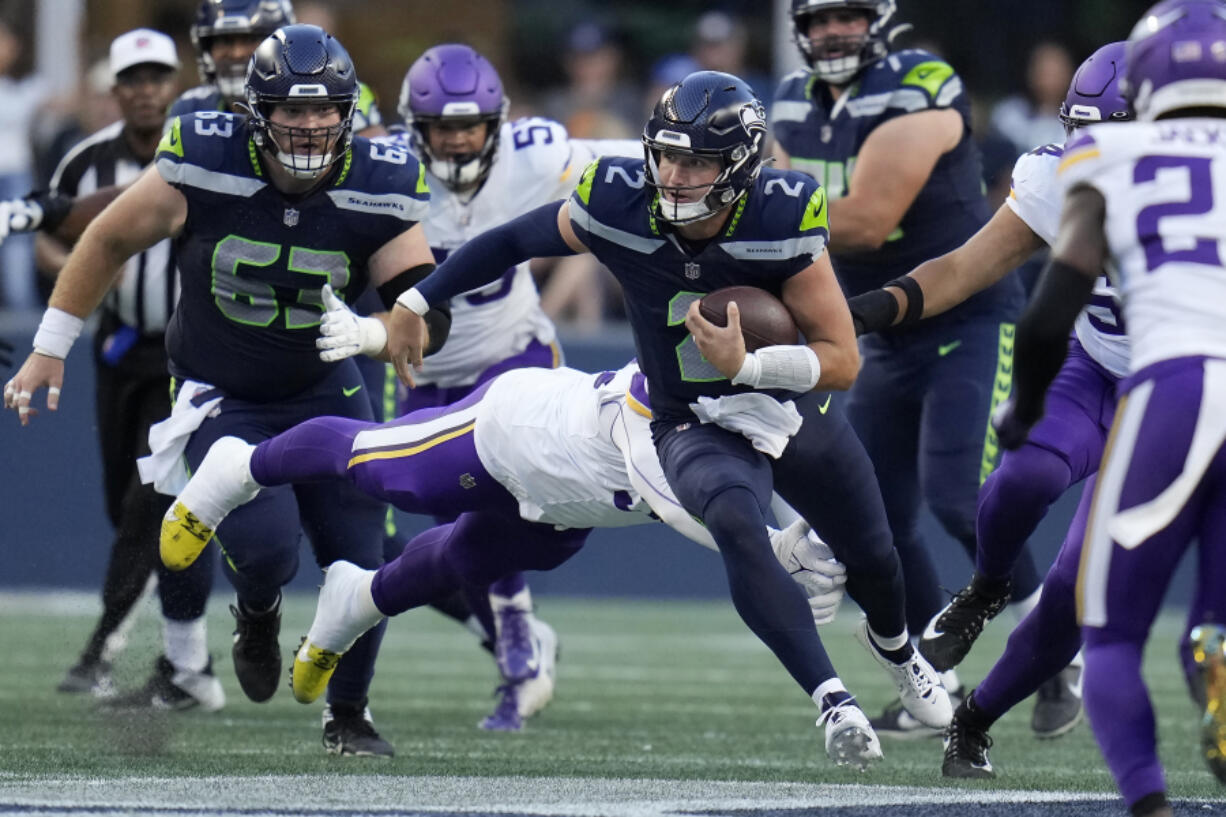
{"x": 765, "y": 321}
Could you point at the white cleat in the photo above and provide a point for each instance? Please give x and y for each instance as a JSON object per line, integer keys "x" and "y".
{"x": 919, "y": 685}
{"x": 345, "y": 611}
{"x": 850, "y": 739}
{"x": 536, "y": 692}
{"x": 222, "y": 483}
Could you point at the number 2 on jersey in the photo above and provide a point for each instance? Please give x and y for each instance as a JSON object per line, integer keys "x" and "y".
{"x": 1198, "y": 203}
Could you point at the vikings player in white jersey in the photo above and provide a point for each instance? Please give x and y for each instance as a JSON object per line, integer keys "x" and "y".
{"x": 1147, "y": 198}
{"x": 528, "y": 464}
{"x": 483, "y": 171}
{"x": 1064, "y": 450}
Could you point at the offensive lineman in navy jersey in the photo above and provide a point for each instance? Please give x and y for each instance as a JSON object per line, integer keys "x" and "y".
{"x": 889, "y": 136}
{"x": 697, "y": 214}
{"x": 264, "y": 212}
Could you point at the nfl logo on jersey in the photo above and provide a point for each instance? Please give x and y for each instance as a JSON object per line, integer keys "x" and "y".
{"x": 692, "y": 270}
{"x": 291, "y": 217}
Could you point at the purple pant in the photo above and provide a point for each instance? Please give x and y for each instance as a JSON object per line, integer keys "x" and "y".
{"x": 1163, "y": 485}
{"x": 1063, "y": 449}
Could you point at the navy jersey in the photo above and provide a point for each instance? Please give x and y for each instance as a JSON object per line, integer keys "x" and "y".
{"x": 252, "y": 259}
{"x": 774, "y": 232}
{"x": 823, "y": 138}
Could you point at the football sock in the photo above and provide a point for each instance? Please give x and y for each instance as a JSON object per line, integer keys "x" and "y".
{"x": 186, "y": 644}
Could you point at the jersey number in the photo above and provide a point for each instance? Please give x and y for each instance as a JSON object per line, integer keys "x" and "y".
{"x": 1198, "y": 203}
{"x": 694, "y": 367}
{"x": 523, "y": 137}
{"x": 245, "y": 299}
{"x": 214, "y": 123}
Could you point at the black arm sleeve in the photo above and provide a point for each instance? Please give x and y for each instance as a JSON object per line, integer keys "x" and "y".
{"x": 483, "y": 259}
{"x": 1042, "y": 334}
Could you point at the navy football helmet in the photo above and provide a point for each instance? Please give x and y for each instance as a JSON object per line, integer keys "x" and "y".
{"x": 302, "y": 65}
{"x": 223, "y": 18}
{"x": 837, "y": 60}
{"x": 710, "y": 114}
{"x": 453, "y": 83}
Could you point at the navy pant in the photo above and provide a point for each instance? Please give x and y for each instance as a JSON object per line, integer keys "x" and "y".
{"x": 825, "y": 475}
{"x": 259, "y": 541}
{"x": 921, "y": 407}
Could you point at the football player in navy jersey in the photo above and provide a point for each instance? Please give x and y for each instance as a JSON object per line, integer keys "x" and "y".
{"x": 888, "y": 134}
{"x": 699, "y": 213}
{"x": 264, "y": 211}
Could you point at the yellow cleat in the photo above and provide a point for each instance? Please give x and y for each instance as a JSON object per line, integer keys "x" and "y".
{"x": 183, "y": 537}
{"x": 313, "y": 668}
{"x": 1209, "y": 652}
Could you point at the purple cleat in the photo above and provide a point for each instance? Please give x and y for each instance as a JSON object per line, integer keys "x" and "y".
{"x": 505, "y": 717}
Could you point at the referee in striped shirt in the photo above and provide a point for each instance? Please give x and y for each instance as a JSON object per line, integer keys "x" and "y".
{"x": 133, "y": 384}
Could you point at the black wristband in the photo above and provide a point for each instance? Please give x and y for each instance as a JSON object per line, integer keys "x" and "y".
{"x": 915, "y": 298}
{"x": 55, "y": 206}
{"x": 872, "y": 311}
{"x": 389, "y": 291}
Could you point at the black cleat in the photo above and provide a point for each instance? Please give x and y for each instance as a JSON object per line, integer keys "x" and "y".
{"x": 966, "y": 749}
{"x": 91, "y": 677}
{"x": 257, "y": 654}
{"x": 952, "y": 632}
{"x": 1057, "y": 706}
{"x": 171, "y": 690}
{"x": 348, "y": 730}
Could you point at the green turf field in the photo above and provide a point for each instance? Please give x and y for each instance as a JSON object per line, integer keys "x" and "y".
{"x": 646, "y": 690}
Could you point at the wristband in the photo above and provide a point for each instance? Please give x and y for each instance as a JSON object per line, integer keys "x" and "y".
{"x": 413, "y": 301}
{"x": 56, "y": 333}
{"x": 795, "y": 368}
{"x": 389, "y": 291}
{"x": 872, "y": 311}
{"x": 915, "y": 298}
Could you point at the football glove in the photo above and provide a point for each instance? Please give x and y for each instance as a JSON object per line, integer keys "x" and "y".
{"x": 813, "y": 566}
{"x": 342, "y": 333}
{"x": 1013, "y": 425}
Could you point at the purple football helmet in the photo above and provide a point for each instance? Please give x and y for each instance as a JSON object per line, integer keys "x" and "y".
{"x": 1176, "y": 58}
{"x": 1094, "y": 94}
{"x": 453, "y": 83}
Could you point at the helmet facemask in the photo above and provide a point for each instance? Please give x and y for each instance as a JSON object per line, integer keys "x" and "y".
{"x": 304, "y": 153}
{"x": 716, "y": 194}
{"x": 461, "y": 171}
{"x": 838, "y": 59}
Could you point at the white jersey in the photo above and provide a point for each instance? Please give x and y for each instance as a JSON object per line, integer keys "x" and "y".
{"x": 1165, "y": 188}
{"x": 536, "y": 163}
{"x": 1037, "y": 199}
{"x": 575, "y": 449}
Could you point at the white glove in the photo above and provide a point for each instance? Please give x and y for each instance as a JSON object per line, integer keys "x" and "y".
{"x": 19, "y": 216}
{"x": 342, "y": 333}
{"x": 813, "y": 566}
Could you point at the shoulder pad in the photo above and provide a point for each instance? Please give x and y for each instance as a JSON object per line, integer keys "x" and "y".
{"x": 915, "y": 71}
{"x": 541, "y": 144}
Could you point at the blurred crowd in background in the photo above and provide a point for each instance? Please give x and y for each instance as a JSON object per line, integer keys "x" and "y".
{"x": 596, "y": 67}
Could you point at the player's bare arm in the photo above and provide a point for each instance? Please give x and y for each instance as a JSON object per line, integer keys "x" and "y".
{"x": 948, "y": 280}
{"x": 147, "y": 212}
{"x": 406, "y": 251}
{"x": 817, "y": 305}
{"x": 893, "y": 166}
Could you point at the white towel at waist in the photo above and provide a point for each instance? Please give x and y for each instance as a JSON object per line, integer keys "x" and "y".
{"x": 164, "y": 466}
{"x": 762, "y": 419}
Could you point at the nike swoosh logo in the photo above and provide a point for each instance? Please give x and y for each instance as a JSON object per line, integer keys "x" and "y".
{"x": 351, "y": 392}
{"x": 946, "y": 348}
{"x": 822, "y": 408}
{"x": 931, "y": 632}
